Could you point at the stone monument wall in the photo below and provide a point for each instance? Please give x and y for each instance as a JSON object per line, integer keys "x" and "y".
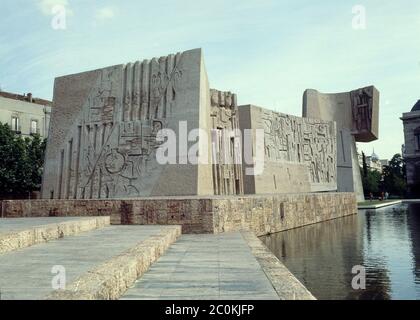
{"x": 299, "y": 153}
{"x": 357, "y": 116}
{"x": 226, "y": 144}
{"x": 106, "y": 134}
{"x": 104, "y": 126}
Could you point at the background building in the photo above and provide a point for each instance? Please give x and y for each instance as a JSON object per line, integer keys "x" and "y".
{"x": 411, "y": 121}
{"x": 24, "y": 114}
{"x": 373, "y": 162}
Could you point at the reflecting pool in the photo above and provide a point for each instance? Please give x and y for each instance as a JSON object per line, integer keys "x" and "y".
{"x": 385, "y": 241}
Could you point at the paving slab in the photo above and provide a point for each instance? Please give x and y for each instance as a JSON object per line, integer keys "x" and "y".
{"x": 26, "y": 274}
{"x": 205, "y": 267}
{"x": 20, "y": 233}
{"x": 8, "y": 225}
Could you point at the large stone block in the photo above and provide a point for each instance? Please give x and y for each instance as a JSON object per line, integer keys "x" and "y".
{"x": 357, "y": 116}
{"x": 299, "y": 153}
{"x": 104, "y": 126}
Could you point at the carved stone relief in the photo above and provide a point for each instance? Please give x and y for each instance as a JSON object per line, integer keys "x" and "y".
{"x": 226, "y": 142}
{"x": 112, "y": 154}
{"x": 362, "y": 109}
{"x": 301, "y": 140}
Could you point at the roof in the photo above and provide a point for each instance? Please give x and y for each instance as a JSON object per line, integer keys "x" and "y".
{"x": 25, "y": 97}
{"x": 416, "y": 107}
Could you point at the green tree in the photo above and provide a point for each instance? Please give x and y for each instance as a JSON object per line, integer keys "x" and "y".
{"x": 371, "y": 181}
{"x": 21, "y": 161}
{"x": 365, "y": 168}
{"x": 394, "y": 176}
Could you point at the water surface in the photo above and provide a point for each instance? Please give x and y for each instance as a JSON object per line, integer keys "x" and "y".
{"x": 385, "y": 241}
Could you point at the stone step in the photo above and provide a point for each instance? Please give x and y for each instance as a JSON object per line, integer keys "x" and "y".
{"x": 20, "y": 233}
{"x": 99, "y": 264}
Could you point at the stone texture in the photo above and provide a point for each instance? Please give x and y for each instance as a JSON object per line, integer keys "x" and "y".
{"x": 287, "y": 286}
{"x": 105, "y": 123}
{"x": 357, "y": 116}
{"x": 274, "y": 213}
{"x": 226, "y": 144}
{"x": 299, "y": 153}
{"x": 214, "y": 214}
{"x": 58, "y": 208}
{"x": 18, "y": 239}
{"x": 112, "y": 278}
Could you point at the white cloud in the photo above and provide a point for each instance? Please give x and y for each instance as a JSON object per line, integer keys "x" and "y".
{"x": 105, "y": 13}
{"x": 46, "y": 6}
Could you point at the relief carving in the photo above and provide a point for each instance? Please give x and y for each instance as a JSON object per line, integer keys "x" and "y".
{"x": 227, "y": 161}
{"x": 116, "y": 157}
{"x": 362, "y": 101}
{"x": 301, "y": 140}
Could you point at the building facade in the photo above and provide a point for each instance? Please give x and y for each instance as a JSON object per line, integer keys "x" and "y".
{"x": 373, "y": 162}
{"x": 24, "y": 114}
{"x": 411, "y": 122}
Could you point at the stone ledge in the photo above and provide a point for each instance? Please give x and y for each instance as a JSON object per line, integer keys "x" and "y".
{"x": 40, "y": 234}
{"x": 263, "y": 214}
{"x": 379, "y": 205}
{"x": 283, "y": 281}
{"x": 110, "y": 280}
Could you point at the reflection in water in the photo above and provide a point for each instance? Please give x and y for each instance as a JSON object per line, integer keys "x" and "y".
{"x": 386, "y": 242}
{"x": 413, "y": 219}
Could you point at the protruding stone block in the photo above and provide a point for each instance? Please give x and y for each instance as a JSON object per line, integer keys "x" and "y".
{"x": 357, "y": 116}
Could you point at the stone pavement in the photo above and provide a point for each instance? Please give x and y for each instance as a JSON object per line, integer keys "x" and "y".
{"x": 206, "y": 267}
{"x": 18, "y": 224}
{"x": 27, "y": 273}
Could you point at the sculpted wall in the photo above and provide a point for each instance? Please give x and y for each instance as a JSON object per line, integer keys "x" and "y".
{"x": 299, "y": 154}
{"x": 357, "y": 116}
{"x": 104, "y": 125}
{"x": 226, "y": 144}
{"x": 106, "y": 141}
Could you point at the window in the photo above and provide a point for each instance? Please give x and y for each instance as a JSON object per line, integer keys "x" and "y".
{"x": 34, "y": 126}
{"x": 15, "y": 124}
{"x": 417, "y": 136}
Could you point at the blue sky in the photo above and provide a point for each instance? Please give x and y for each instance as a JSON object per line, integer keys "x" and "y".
{"x": 267, "y": 51}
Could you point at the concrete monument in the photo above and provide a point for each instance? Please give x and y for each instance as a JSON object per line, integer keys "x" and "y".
{"x": 300, "y": 154}
{"x": 357, "y": 116}
{"x": 106, "y": 126}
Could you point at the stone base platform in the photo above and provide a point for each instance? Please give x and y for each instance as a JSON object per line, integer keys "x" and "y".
{"x": 262, "y": 214}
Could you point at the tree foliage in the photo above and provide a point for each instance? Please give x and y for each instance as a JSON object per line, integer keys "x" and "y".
{"x": 394, "y": 176}
{"x": 392, "y": 179}
{"x": 371, "y": 180}
{"x": 365, "y": 168}
{"x": 21, "y": 161}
